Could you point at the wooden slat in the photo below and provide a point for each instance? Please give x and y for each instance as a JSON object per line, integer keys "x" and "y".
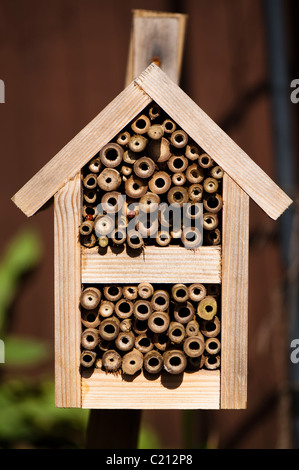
{"x": 156, "y": 34}
{"x": 234, "y": 315}
{"x": 200, "y": 390}
{"x": 156, "y": 264}
{"x": 200, "y": 127}
{"x": 69, "y": 160}
{"x": 67, "y": 215}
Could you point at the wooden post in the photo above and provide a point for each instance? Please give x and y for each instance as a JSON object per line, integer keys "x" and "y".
{"x": 155, "y": 36}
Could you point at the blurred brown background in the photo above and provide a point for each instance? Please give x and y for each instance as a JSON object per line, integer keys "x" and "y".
{"x": 62, "y": 62}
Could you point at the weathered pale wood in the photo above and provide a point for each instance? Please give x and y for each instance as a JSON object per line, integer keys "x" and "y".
{"x": 155, "y": 264}
{"x": 67, "y": 269}
{"x": 69, "y": 160}
{"x": 234, "y": 309}
{"x": 213, "y": 140}
{"x": 160, "y": 35}
{"x": 200, "y": 390}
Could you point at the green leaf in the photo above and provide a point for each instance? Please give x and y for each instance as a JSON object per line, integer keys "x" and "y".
{"x": 24, "y": 351}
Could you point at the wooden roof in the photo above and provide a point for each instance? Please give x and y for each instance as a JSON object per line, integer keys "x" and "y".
{"x": 152, "y": 84}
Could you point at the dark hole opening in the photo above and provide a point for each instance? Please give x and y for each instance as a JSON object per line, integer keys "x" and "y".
{"x": 210, "y": 326}
{"x": 160, "y": 183}
{"x": 144, "y": 166}
{"x": 213, "y": 345}
{"x": 205, "y": 160}
{"x": 90, "y": 338}
{"x": 91, "y": 181}
{"x": 177, "y": 332}
{"x": 179, "y": 138}
{"x": 111, "y": 154}
{"x": 194, "y": 345}
{"x": 144, "y": 342}
{"x": 124, "y": 307}
{"x": 175, "y": 361}
{"x": 212, "y": 360}
{"x": 181, "y": 293}
{"x": 87, "y": 358}
{"x": 178, "y": 163}
{"x": 159, "y": 321}
{"x": 184, "y": 312}
{"x": 142, "y": 308}
{"x": 132, "y": 363}
{"x": 208, "y": 308}
{"x": 109, "y": 329}
{"x": 113, "y": 290}
{"x": 108, "y": 180}
{"x": 91, "y": 317}
{"x": 153, "y": 362}
{"x": 160, "y": 300}
{"x": 140, "y": 123}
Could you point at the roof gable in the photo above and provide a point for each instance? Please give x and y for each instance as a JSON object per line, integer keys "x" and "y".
{"x": 153, "y": 84}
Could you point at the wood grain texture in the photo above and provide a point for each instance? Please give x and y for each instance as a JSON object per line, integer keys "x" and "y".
{"x": 71, "y": 158}
{"x": 199, "y": 390}
{"x": 67, "y": 269}
{"x": 234, "y": 309}
{"x": 214, "y": 141}
{"x": 156, "y": 34}
{"x": 155, "y": 264}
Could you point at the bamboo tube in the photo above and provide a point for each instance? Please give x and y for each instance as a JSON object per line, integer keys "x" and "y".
{"x": 154, "y": 112}
{"x": 125, "y": 341}
{"x": 194, "y": 174}
{"x": 177, "y": 163}
{"x": 210, "y": 185}
{"x": 212, "y": 362}
{"x": 159, "y": 150}
{"x": 147, "y": 227}
{"x": 111, "y": 360}
{"x": 160, "y": 182}
{"x": 212, "y": 203}
{"x": 149, "y": 203}
{"x": 176, "y": 232}
{"x": 158, "y": 322}
{"x": 212, "y": 346}
{"x": 192, "y": 152}
{"x": 90, "y": 196}
{"x": 193, "y": 210}
{"x": 103, "y": 241}
{"x": 124, "y": 308}
{"x": 195, "y": 192}
{"x": 103, "y": 225}
{"x": 160, "y": 300}
{"x": 165, "y": 215}
{"x": 197, "y": 292}
{"x": 132, "y": 362}
{"x": 179, "y": 139}
{"x": 126, "y": 170}
{"x": 88, "y": 241}
{"x": 104, "y": 345}
{"x": 196, "y": 363}
{"x": 139, "y": 326}
{"x": 135, "y": 187}
{"x": 210, "y": 221}
{"x": 205, "y": 160}
{"x": 111, "y": 155}
{"x": 143, "y": 343}
{"x": 130, "y": 157}
{"x": 213, "y": 289}
{"x": 112, "y": 293}
{"x": 144, "y": 167}
{"x": 90, "y": 298}
{"x": 141, "y": 124}
{"x": 95, "y": 165}
{"x": 180, "y": 293}
{"x": 145, "y": 290}
{"x": 90, "y": 318}
{"x": 217, "y": 172}
{"x": 178, "y": 195}
{"x": 176, "y": 332}
{"x": 163, "y": 238}
{"x": 86, "y": 227}
{"x": 109, "y": 328}
{"x": 126, "y": 325}
{"x": 98, "y": 363}
{"x": 142, "y": 309}
{"x": 213, "y": 237}
{"x": 87, "y": 358}
{"x": 161, "y": 341}
{"x": 175, "y": 361}
{"x": 90, "y": 181}
{"x": 119, "y": 236}
{"x": 194, "y": 346}
{"x": 109, "y": 179}
{"x": 123, "y": 138}
{"x": 207, "y": 308}
{"x": 169, "y": 126}
{"x": 134, "y": 239}
{"x": 155, "y": 132}
{"x": 89, "y": 210}
{"x": 122, "y": 221}
{"x": 183, "y": 312}
{"x": 89, "y": 338}
{"x": 112, "y": 202}
{"x": 178, "y": 179}
{"x": 192, "y": 328}
{"x": 210, "y": 328}
{"x": 153, "y": 362}
{"x": 191, "y": 237}
{"x": 130, "y": 292}
{"x": 137, "y": 143}
{"x": 106, "y": 308}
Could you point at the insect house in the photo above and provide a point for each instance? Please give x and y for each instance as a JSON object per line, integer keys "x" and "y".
{"x": 151, "y": 207}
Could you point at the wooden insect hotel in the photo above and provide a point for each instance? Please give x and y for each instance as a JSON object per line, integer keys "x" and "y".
{"x": 151, "y": 312}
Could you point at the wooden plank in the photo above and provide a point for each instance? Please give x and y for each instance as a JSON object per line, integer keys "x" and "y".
{"x": 67, "y": 269}
{"x": 214, "y": 141}
{"x": 156, "y": 265}
{"x": 69, "y": 160}
{"x": 156, "y": 34}
{"x": 200, "y": 390}
{"x": 234, "y": 310}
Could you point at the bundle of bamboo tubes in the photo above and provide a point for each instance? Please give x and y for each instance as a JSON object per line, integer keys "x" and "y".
{"x": 150, "y": 164}
{"x": 169, "y": 328}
